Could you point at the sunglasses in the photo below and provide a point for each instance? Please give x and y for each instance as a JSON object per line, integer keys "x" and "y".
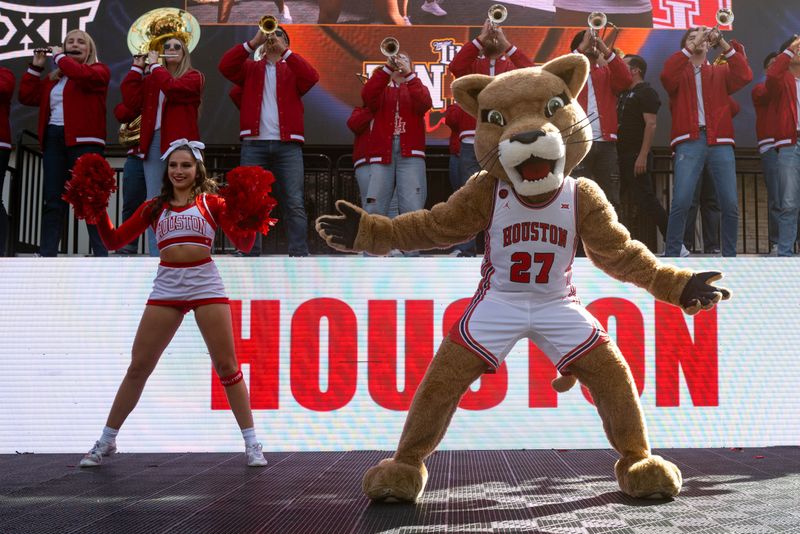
{"x": 175, "y": 46}
{"x": 279, "y": 33}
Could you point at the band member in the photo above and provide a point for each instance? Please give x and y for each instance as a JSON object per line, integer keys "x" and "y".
{"x": 702, "y": 129}
{"x": 490, "y": 53}
{"x": 452, "y": 119}
{"x": 783, "y": 86}
{"x": 7, "y": 84}
{"x": 185, "y": 215}
{"x": 637, "y": 112}
{"x": 134, "y": 184}
{"x": 765, "y": 131}
{"x": 72, "y": 122}
{"x": 625, "y": 13}
{"x": 399, "y": 101}
{"x": 271, "y": 122}
{"x": 360, "y": 123}
{"x": 599, "y": 98}
{"x": 168, "y": 96}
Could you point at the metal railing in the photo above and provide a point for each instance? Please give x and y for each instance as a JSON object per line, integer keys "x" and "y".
{"x": 331, "y": 177}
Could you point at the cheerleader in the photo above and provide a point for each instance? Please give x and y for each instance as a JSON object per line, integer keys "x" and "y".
{"x": 72, "y": 122}
{"x": 168, "y": 97}
{"x": 185, "y": 216}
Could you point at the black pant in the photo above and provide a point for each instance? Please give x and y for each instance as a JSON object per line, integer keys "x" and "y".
{"x": 642, "y": 188}
{"x": 5, "y": 154}
{"x": 600, "y": 164}
{"x": 58, "y": 162}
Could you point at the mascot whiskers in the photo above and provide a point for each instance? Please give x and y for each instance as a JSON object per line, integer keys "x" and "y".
{"x": 531, "y": 133}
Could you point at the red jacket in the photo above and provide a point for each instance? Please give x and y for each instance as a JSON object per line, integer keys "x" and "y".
{"x": 294, "y": 77}
{"x": 466, "y": 61}
{"x": 782, "y": 90}
{"x": 7, "y": 83}
{"x": 765, "y": 121}
{"x": 608, "y": 82}
{"x": 182, "y": 97}
{"x": 382, "y": 98}
{"x": 84, "y": 100}
{"x": 719, "y": 81}
{"x": 360, "y": 123}
{"x": 461, "y": 124}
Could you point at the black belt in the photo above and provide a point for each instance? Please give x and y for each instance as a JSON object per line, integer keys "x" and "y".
{"x": 702, "y": 128}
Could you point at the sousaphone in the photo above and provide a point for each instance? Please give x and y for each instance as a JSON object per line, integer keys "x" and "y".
{"x": 149, "y": 32}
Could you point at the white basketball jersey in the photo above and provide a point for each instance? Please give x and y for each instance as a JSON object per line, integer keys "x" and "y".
{"x": 530, "y": 248}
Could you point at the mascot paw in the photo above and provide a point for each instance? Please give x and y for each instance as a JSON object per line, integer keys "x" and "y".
{"x": 648, "y": 478}
{"x": 699, "y": 294}
{"x": 391, "y": 481}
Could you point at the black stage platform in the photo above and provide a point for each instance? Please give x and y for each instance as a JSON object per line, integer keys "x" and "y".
{"x": 725, "y": 490}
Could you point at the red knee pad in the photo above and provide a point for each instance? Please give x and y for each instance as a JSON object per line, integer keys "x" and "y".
{"x": 232, "y": 379}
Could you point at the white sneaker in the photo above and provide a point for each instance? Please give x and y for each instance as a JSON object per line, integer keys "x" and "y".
{"x": 94, "y": 457}
{"x": 255, "y": 457}
{"x": 434, "y": 9}
{"x": 406, "y": 21}
{"x": 773, "y": 250}
{"x": 285, "y": 17}
{"x": 394, "y": 253}
{"x": 684, "y": 251}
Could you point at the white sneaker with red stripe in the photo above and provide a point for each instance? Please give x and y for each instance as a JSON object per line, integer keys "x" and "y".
{"x": 94, "y": 457}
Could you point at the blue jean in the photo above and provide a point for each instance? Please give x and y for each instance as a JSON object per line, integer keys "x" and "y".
{"x": 154, "y": 168}
{"x": 789, "y": 194}
{"x": 362, "y": 177}
{"x": 467, "y": 166}
{"x": 5, "y": 154}
{"x": 690, "y": 158}
{"x": 134, "y": 193}
{"x": 285, "y": 161}
{"x": 407, "y": 175}
{"x": 705, "y": 200}
{"x": 58, "y": 162}
{"x": 769, "y": 164}
{"x": 452, "y": 171}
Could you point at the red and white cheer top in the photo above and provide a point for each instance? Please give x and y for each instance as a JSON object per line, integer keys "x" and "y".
{"x": 194, "y": 224}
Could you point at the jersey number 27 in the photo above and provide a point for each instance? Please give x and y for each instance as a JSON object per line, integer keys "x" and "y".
{"x": 521, "y": 266}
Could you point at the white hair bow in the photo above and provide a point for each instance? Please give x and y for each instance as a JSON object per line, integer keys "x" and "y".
{"x": 196, "y": 147}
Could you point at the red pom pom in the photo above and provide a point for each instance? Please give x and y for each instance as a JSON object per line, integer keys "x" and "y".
{"x": 247, "y": 199}
{"x": 91, "y": 186}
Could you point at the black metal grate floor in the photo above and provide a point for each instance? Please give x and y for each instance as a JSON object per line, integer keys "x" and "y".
{"x": 725, "y": 490}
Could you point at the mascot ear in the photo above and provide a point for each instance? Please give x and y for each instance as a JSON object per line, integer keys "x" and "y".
{"x": 466, "y": 90}
{"x": 572, "y": 68}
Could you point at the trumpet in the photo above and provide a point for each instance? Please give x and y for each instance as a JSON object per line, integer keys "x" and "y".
{"x": 390, "y": 47}
{"x": 497, "y": 14}
{"x": 724, "y": 17}
{"x": 268, "y": 24}
{"x": 597, "y": 21}
{"x": 138, "y": 56}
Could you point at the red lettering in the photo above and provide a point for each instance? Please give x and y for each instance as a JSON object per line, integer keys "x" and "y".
{"x": 562, "y": 238}
{"x": 342, "y": 354}
{"x": 553, "y": 234}
{"x": 493, "y": 386}
{"x": 261, "y": 350}
{"x": 382, "y": 364}
{"x": 526, "y": 231}
{"x": 698, "y": 358}
{"x": 545, "y": 229}
{"x": 534, "y": 231}
{"x": 515, "y": 233}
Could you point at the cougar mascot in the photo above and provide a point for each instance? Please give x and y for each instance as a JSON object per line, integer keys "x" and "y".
{"x": 531, "y": 133}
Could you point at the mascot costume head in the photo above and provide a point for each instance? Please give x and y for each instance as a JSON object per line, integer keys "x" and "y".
{"x": 531, "y": 133}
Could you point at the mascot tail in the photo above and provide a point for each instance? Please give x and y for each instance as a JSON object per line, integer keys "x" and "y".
{"x": 563, "y": 383}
